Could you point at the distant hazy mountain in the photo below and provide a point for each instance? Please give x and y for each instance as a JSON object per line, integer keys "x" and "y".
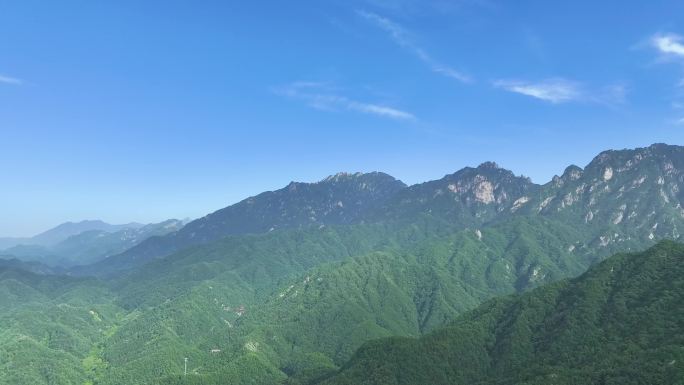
{"x": 88, "y": 241}
{"x": 63, "y": 231}
{"x": 68, "y": 229}
{"x": 622, "y": 322}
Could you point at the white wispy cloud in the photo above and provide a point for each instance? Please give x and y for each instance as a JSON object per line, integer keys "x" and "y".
{"x": 10, "y": 80}
{"x": 323, "y": 96}
{"x": 452, "y": 73}
{"x": 669, "y": 44}
{"x": 559, "y": 90}
{"x": 402, "y": 38}
{"x": 670, "y": 47}
{"x": 550, "y": 90}
{"x": 379, "y": 110}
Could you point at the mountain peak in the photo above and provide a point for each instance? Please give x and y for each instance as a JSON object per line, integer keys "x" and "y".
{"x": 487, "y": 170}
{"x": 358, "y": 176}
{"x": 488, "y": 165}
{"x": 342, "y": 176}
{"x": 572, "y": 172}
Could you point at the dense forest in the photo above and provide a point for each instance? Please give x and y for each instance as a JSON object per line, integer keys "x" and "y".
{"x": 622, "y": 322}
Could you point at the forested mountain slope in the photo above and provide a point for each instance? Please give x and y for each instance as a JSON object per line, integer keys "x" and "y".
{"x": 51, "y": 327}
{"x": 622, "y": 322}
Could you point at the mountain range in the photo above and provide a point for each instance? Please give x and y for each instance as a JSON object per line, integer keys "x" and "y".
{"x": 86, "y": 242}
{"x": 620, "y": 188}
{"x": 65, "y": 230}
{"x": 288, "y": 285}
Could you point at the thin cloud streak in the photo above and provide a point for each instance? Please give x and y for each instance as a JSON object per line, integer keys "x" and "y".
{"x": 559, "y": 90}
{"x": 451, "y": 73}
{"x": 10, "y": 80}
{"x": 321, "y": 97}
{"x": 379, "y": 110}
{"x": 402, "y": 39}
{"x": 550, "y": 90}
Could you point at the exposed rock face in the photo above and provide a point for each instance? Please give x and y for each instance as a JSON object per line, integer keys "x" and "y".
{"x": 617, "y": 218}
{"x": 483, "y": 190}
{"x": 479, "y": 188}
{"x": 589, "y": 217}
{"x": 608, "y": 174}
{"x": 519, "y": 203}
{"x": 545, "y": 203}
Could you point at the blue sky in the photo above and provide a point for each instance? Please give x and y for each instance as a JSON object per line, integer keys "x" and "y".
{"x": 141, "y": 111}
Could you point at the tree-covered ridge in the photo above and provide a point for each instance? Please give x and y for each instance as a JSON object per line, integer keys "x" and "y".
{"x": 622, "y": 322}
{"x": 51, "y": 327}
